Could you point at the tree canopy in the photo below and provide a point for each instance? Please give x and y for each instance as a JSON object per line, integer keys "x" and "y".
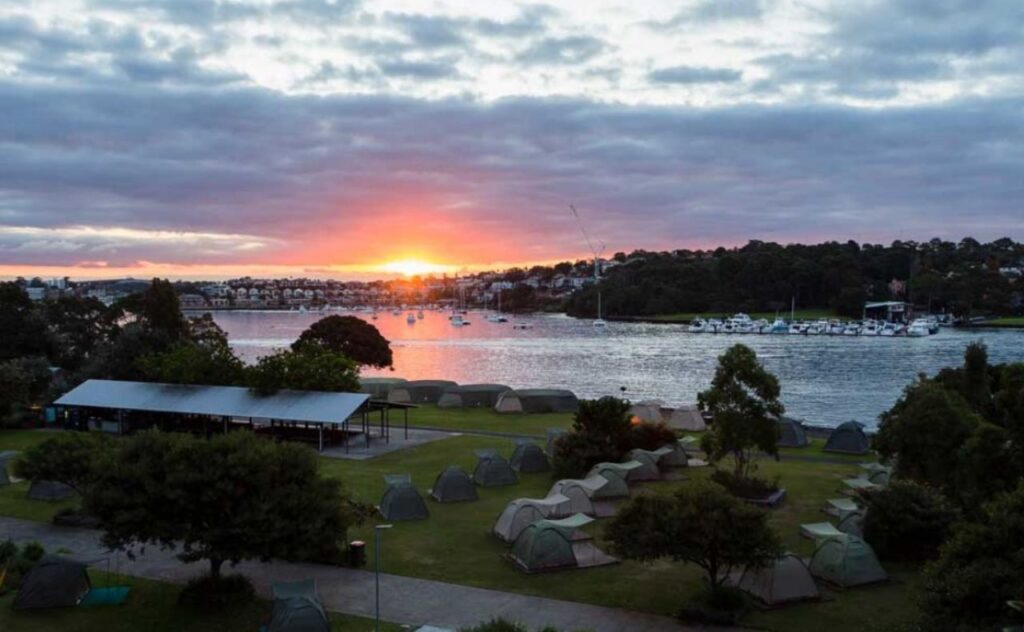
{"x": 349, "y": 336}
{"x": 311, "y": 367}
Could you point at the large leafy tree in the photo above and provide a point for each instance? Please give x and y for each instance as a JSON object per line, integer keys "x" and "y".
{"x": 157, "y": 309}
{"x": 744, "y": 402}
{"x": 231, "y": 498}
{"x": 205, "y": 357}
{"x": 22, "y": 330}
{"x": 350, "y": 336}
{"x": 76, "y": 327}
{"x": 73, "y": 458}
{"x": 311, "y": 368}
{"x": 600, "y": 432}
{"x": 23, "y": 382}
{"x": 907, "y": 521}
{"x": 699, "y": 524}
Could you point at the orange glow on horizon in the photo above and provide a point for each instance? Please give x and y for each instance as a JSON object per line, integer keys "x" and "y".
{"x": 416, "y": 267}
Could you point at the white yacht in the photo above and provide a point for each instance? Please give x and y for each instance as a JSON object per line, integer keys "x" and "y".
{"x": 918, "y": 329}
{"x": 697, "y": 326}
{"x": 761, "y": 326}
{"x": 714, "y": 325}
{"x": 870, "y": 328}
{"x": 779, "y": 326}
{"x": 798, "y": 328}
{"x": 852, "y": 329}
{"x": 457, "y": 321}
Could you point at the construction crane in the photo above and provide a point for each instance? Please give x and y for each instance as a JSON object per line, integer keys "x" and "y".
{"x": 597, "y": 251}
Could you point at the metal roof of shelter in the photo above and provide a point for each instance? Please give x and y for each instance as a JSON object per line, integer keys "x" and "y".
{"x": 217, "y": 401}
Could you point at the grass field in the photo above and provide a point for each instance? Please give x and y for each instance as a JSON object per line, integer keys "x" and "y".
{"x": 800, "y": 314}
{"x": 152, "y": 606}
{"x": 1006, "y": 321}
{"x": 484, "y": 419}
{"x": 454, "y": 545}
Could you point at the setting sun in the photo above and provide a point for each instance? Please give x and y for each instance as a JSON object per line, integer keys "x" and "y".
{"x": 413, "y": 267}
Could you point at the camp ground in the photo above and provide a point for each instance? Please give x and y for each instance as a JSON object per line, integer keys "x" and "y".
{"x": 672, "y": 456}
{"x": 551, "y": 545}
{"x": 522, "y": 512}
{"x": 49, "y": 490}
{"x": 688, "y": 418}
{"x": 379, "y": 387}
{"x": 453, "y": 485}
{"x": 528, "y": 458}
{"x": 553, "y": 435}
{"x": 786, "y": 581}
{"x": 860, "y": 483}
{"x": 402, "y": 501}
{"x": 492, "y": 470}
{"x": 649, "y": 411}
{"x": 839, "y": 507}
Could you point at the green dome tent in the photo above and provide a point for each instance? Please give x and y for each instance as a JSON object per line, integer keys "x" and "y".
{"x": 846, "y": 561}
{"x": 528, "y": 458}
{"x": 453, "y": 485}
{"x": 785, "y": 581}
{"x": 580, "y": 492}
{"x": 791, "y": 434}
{"x": 492, "y": 470}
{"x": 548, "y": 545}
{"x": 379, "y": 387}
{"x": 53, "y": 582}
{"x": 537, "y": 400}
{"x": 402, "y": 501}
{"x": 419, "y": 391}
{"x": 617, "y": 475}
{"x": 472, "y": 396}
{"x": 297, "y": 608}
{"x": 648, "y": 471}
{"x": 522, "y": 512}
{"x": 848, "y": 438}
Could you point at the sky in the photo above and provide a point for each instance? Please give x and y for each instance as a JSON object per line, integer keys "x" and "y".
{"x": 210, "y": 139}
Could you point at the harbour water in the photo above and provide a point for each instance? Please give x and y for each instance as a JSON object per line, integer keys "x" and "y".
{"x": 825, "y": 379}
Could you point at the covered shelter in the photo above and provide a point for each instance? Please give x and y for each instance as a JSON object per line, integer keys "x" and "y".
{"x": 846, "y": 560}
{"x": 297, "y": 608}
{"x": 791, "y": 433}
{"x": 453, "y": 485}
{"x": 53, "y": 582}
{"x": 553, "y": 434}
{"x": 580, "y": 492}
{"x": 522, "y": 512}
{"x": 472, "y": 396}
{"x": 401, "y": 500}
{"x": 314, "y": 416}
{"x": 687, "y": 418}
{"x": 617, "y": 477}
{"x": 537, "y": 400}
{"x": 5, "y": 457}
{"x": 648, "y": 411}
{"x": 889, "y": 311}
{"x": 49, "y": 490}
{"x": 550, "y": 545}
{"x": 528, "y": 458}
{"x": 379, "y": 387}
{"x": 786, "y": 581}
{"x": 419, "y": 391}
{"x": 493, "y": 470}
{"x": 648, "y": 470}
{"x": 848, "y": 438}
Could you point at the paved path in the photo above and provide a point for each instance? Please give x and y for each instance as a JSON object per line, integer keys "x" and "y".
{"x": 404, "y": 599}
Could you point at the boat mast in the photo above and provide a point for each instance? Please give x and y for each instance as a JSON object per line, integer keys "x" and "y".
{"x": 597, "y": 256}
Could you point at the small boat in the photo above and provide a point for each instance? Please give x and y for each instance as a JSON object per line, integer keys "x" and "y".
{"x": 697, "y": 326}
{"x": 496, "y": 318}
{"x": 599, "y": 322}
{"x": 457, "y": 321}
{"x": 411, "y": 318}
{"x": 419, "y": 315}
{"x": 779, "y": 326}
{"x": 760, "y": 326}
{"x": 798, "y": 328}
{"x": 851, "y": 329}
{"x": 836, "y": 328}
{"x": 870, "y": 328}
{"x": 918, "y": 329}
{"x": 396, "y": 312}
{"x": 714, "y": 326}
{"x": 522, "y": 326}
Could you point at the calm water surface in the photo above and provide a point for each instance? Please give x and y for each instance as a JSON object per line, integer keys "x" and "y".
{"x": 825, "y": 379}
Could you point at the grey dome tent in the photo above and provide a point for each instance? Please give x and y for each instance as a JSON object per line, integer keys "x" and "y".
{"x": 537, "y": 400}
{"x": 649, "y": 411}
{"x": 379, "y": 387}
{"x": 528, "y": 458}
{"x": 785, "y": 581}
{"x": 53, "y": 582}
{"x": 648, "y": 470}
{"x": 5, "y": 456}
{"x": 402, "y": 501}
{"x": 687, "y": 418}
{"x": 853, "y": 523}
{"x": 848, "y": 438}
{"x": 846, "y": 561}
{"x": 522, "y": 512}
{"x": 580, "y": 492}
{"x": 297, "y": 608}
{"x": 548, "y": 545}
{"x": 672, "y": 455}
{"x": 419, "y": 391}
{"x": 453, "y": 485}
{"x": 553, "y": 435}
{"x": 472, "y": 396}
{"x": 617, "y": 475}
{"x": 492, "y": 470}
{"x": 791, "y": 433}
{"x": 49, "y": 490}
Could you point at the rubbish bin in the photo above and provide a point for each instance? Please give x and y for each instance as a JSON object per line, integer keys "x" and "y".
{"x": 357, "y": 553}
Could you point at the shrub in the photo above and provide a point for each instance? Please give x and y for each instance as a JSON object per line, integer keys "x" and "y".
{"x": 503, "y": 625}
{"x": 745, "y": 487}
{"x": 576, "y": 453}
{"x": 907, "y": 521}
{"x": 601, "y": 432}
{"x": 210, "y": 592}
{"x": 73, "y": 458}
{"x": 724, "y": 606}
{"x": 33, "y": 551}
{"x": 648, "y": 435}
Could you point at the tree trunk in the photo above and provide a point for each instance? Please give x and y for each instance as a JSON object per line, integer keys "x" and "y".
{"x": 215, "y": 565}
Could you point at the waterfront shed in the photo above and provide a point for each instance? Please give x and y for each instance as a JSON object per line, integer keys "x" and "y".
{"x": 472, "y": 396}
{"x": 522, "y": 512}
{"x": 537, "y": 400}
{"x": 791, "y": 433}
{"x": 528, "y": 458}
{"x": 419, "y": 391}
{"x": 53, "y": 582}
{"x": 846, "y": 560}
{"x": 848, "y": 438}
{"x": 453, "y": 485}
{"x": 785, "y": 581}
{"x": 493, "y": 470}
{"x": 297, "y": 608}
{"x": 402, "y": 501}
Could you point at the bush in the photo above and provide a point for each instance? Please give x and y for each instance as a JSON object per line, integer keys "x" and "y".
{"x": 503, "y": 625}
{"x": 17, "y": 563}
{"x": 33, "y": 552}
{"x": 747, "y": 486}
{"x": 576, "y": 453}
{"x": 648, "y": 435}
{"x": 209, "y": 592}
{"x": 907, "y": 521}
{"x": 723, "y": 606}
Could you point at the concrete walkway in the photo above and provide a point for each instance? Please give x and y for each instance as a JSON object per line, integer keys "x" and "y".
{"x": 404, "y": 599}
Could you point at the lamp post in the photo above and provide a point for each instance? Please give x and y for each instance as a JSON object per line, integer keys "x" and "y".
{"x": 376, "y": 570}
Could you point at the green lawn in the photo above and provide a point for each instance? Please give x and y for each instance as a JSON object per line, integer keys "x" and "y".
{"x": 152, "y": 606}
{"x": 800, "y": 314}
{"x": 454, "y": 545}
{"x": 1006, "y": 321}
{"x": 484, "y": 419}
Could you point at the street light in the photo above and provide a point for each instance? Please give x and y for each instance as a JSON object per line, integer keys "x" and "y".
{"x": 376, "y": 569}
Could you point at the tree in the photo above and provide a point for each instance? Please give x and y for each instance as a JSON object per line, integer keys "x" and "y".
{"x": 986, "y": 464}
{"x": 350, "y": 336}
{"x": 979, "y": 569}
{"x": 311, "y": 368}
{"x": 73, "y": 458}
{"x": 22, "y": 330}
{"x": 977, "y": 389}
{"x": 23, "y": 382}
{"x": 700, "y": 524}
{"x": 600, "y": 432}
{"x": 744, "y": 402}
{"x": 158, "y": 309}
{"x": 231, "y": 498}
{"x": 121, "y": 359}
{"x": 76, "y": 327}
{"x": 191, "y": 363}
{"x": 907, "y": 521}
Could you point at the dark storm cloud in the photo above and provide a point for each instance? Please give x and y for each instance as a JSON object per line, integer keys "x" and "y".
{"x": 693, "y": 74}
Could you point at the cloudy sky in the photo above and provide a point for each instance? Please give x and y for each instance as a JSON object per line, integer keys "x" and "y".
{"x": 202, "y": 138}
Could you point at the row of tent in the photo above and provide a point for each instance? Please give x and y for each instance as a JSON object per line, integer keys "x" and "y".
{"x": 846, "y": 438}
{"x": 448, "y": 394}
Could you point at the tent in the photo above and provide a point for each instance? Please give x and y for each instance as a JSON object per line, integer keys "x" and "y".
{"x": 528, "y": 458}
{"x": 846, "y": 560}
{"x": 49, "y": 490}
{"x": 791, "y": 433}
{"x": 492, "y": 470}
{"x": 5, "y": 456}
{"x": 553, "y": 435}
{"x": 819, "y": 530}
{"x": 580, "y": 492}
{"x": 785, "y": 581}
{"x": 402, "y": 501}
{"x": 853, "y": 523}
{"x": 53, "y": 582}
{"x": 617, "y": 475}
{"x": 880, "y": 477}
{"x": 522, "y": 512}
{"x": 453, "y": 485}
{"x": 548, "y": 545}
{"x": 839, "y": 507}
{"x": 297, "y": 608}
{"x": 419, "y": 391}
{"x": 472, "y": 396}
{"x": 860, "y": 483}
{"x": 848, "y": 438}
{"x": 687, "y": 418}
{"x": 672, "y": 455}
{"x": 870, "y": 468}
{"x": 648, "y": 470}
{"x": 379, "y": 387}
{"x": 537, "y": 400}
{"x": 649, "y": 411}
